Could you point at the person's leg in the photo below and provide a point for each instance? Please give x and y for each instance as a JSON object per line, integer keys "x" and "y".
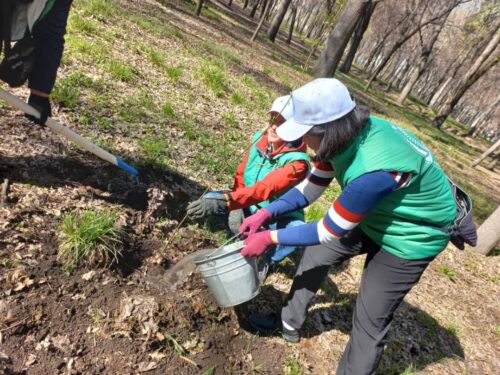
{"x": 313, "y": 268}
{"x": 49, "y": 46}
{"x": 384, "y": 283}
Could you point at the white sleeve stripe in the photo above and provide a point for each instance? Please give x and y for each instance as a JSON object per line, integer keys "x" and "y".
{"x": 310, "y": 191}
{"x": 323, "y": 174}
{"x": 323, "y": 234}
{"x": 339, "y": 220}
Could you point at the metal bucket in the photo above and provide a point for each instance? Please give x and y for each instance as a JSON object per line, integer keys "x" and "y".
{"x": 231, "y": 277}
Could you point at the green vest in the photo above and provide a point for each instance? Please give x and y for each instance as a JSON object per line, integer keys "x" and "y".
{"x": 258, "y": 167}
{"x": 396, "y": 223}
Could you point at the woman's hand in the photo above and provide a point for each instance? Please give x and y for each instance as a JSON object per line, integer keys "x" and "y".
{"x": 257, "y": 244}
{"x": 252, "y": 223}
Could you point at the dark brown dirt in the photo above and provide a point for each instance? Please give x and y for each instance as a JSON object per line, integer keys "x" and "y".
{"x": 98, "y": 320}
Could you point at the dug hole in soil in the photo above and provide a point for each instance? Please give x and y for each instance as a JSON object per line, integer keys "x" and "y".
{"x": 120, "y": 320}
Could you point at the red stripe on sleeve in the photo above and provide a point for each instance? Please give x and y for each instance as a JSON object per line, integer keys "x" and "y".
{"x": 345, "y": 214}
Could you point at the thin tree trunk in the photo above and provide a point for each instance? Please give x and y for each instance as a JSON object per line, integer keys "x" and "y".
{"x": 338, "y": 38}
{"x": 254, "y": 8}
{"x": 278, "y": 19}
{"x": 492, "y": 165}
{"x": 488, "y": 234}
{"x": 422, "y": 62}
{"x": 485, "y": 154}
{"x": 262, "y": 19}
{"x": 474, "y": 128}
{"x": 404, "y": 38}
{"x": 263, "y": 8}
{"x": 357, "y": 37}
{"x": 480, "y": 67}
{"x": 292, "y": 24}
{"x": 229, "y": 3}
{"x": 245, "y": 4}
{"x": 198, "y": 8}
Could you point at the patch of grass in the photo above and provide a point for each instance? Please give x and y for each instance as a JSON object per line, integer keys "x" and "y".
{"x": 67, "y": 90}
{"x": 80, "y": 49}
{"x": 230, "y": 118}
{"x": 173, "y": 73}
{"x": 154, "y": 148}
{"x": 213, "y": 77}
{"x": 156, "y": 57}
{"x": 455, "y": 329}
{"x": 120, "y": 71}
{"x": 237, "y": 98}
{"x": 448, "y": 271}
{"x": 167, "y": 110}
{"x": 100, "y": 9}
{"x": 221, "y": 53}
{"x": 292, "y": 366}
{"x": 82, "y": 25}
{"x": 314, "y": 213}
{"x": 208, "y": 371}
{"x": 92, "y": 237}
{"x": 410, "y": 370}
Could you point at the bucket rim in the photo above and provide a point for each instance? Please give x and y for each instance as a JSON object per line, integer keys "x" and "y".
{"x": 219, "y": 253}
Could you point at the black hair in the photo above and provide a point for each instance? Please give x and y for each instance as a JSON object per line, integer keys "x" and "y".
{"x": 338, "y": 134}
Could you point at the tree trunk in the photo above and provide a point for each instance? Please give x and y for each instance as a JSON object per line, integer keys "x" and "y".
{"x": 480, "y": 67}
{"x": 198, "y": 7}
{"x": 254, "y": 8}
{"x": 485, "y": 154}
{"x": 245, "y": 4}
{"x": 292, "y": 24}
{"x": 488, "y": 234}
{"x": 278, "y": 19}
{"x": 405, "y": 37}
{"x": 358, "y": 36}
{"x": 338, "y": 38}
{"x": 494, "y": 162}
{"x": 229, "y": 3}
{"x": 263, "y": 8}
{"x": 262, "y": 19}
{"x": 422, "y": 62}
{"x": 475, "y": 126}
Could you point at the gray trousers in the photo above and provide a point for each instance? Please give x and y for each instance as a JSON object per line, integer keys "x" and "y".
{"x": 385, "y": 281}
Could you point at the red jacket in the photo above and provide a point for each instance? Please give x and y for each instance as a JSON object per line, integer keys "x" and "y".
{"x": 275, "y": 182}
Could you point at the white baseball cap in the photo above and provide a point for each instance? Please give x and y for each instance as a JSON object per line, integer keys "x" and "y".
{"x": 283, "y": 105}
{"x": 317, "y": 102}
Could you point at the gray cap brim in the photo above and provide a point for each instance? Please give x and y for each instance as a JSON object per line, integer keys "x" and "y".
{"x": 291, "y": 130}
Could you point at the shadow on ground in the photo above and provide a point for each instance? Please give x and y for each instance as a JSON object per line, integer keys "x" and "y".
{"x": 415, "y": 335}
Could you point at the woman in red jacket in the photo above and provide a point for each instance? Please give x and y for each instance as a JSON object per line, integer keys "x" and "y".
{"x": 270, "y": 168}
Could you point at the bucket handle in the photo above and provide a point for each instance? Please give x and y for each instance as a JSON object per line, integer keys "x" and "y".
{"x": 237, "y": 235}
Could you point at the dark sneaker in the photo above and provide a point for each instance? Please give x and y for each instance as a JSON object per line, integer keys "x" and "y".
{"x": 271, "y": 324}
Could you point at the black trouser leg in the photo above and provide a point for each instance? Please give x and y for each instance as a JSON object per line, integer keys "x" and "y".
{"x": 384, "y": 283}
{"x": 313, "y": 269}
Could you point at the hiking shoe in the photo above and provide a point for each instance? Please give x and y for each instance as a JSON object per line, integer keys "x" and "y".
{"x": 271, "y": 324}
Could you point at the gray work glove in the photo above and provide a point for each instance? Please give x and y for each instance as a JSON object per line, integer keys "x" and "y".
{"x": 234, "y": 220}
{"x": 212, "y": 203}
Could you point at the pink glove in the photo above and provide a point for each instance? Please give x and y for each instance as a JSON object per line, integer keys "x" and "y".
{"x": 256, "y": 244}
{"x": 252, "y": 223}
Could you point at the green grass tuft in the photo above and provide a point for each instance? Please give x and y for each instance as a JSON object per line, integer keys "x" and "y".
{"x": 92, "y": 237}
{"x": 448, "y": 271}
{"x": 292, "y": 367}
{"x": 230, "y": 118}
{"x": 214, "y": 78}
{"x": 173, "y": 73}
{"x": 314, "y": 213}
{"x": 120, "y": 71}
{"x": 67, "y": 90}
{"x": 167, "y": 110}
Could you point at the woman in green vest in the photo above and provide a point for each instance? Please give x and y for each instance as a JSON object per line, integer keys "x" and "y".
{"x": 395, "y": 201}
{"x": 270, "y": 168}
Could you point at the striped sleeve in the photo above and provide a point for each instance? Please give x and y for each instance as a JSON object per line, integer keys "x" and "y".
{"x": 355, "y": 203}
{"x": 305, "y": 192}
{"x": 316, "y": 181}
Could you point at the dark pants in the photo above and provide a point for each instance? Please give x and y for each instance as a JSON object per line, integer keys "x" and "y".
{"x": 385, "y": 281}
{"x": 49, "y": 46}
